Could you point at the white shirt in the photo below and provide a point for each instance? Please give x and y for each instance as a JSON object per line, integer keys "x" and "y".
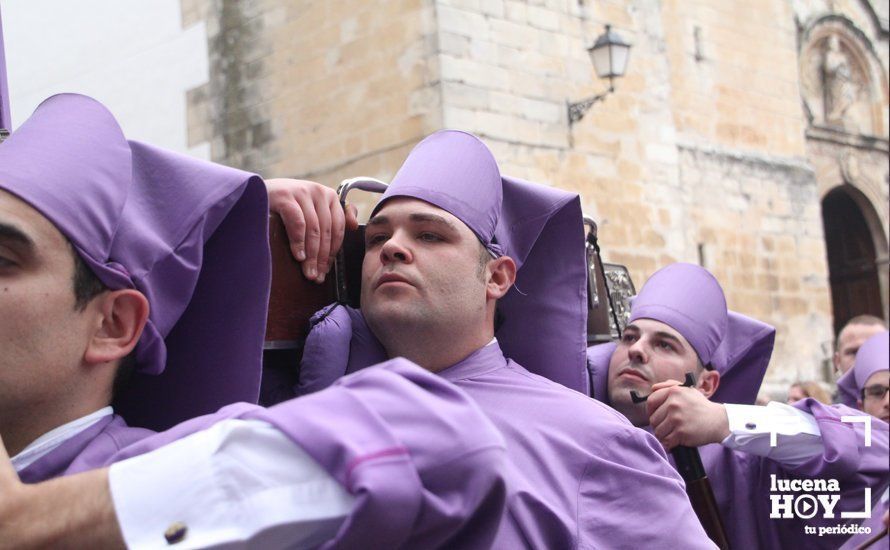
{"x": 798, "y": 437}
{"x": 55, "y": 437}
{"x": 238, "y": 484}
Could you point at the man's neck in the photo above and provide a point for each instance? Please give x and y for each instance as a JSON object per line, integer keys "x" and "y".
{"x": 22, "y": 429}
{"x": 437, "y": 351}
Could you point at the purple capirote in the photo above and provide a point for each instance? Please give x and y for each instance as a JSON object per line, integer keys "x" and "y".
{"x": 873, "y": 356}
{"x": 190, "y": 235}
{"x": 539, "y": 227}
{"x": 5, "y": 118}
{"x": 689, "y": 299}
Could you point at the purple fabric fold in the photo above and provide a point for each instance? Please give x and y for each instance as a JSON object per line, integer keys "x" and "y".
{"x": 576, "y": 467}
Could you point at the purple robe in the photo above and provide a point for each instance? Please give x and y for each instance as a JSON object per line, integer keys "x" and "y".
{"x": 423, "y": 462}
{"x": 741, "y": 482}
{"x": 87, "y": 450}
{"x": 579, "y": 470}
{"x": 874, "y": 525}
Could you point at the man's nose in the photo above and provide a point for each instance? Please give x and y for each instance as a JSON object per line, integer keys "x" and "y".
{"x": 637, "y": 352}
{"x": 395, "y": 250}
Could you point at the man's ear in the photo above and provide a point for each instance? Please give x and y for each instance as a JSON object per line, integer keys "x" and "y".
{"x": 708, "y": 382}
{"x": 836, "y": 360}
{"x": 502, "y": 274}
{"x": 859, "y": 404}
{"x": 120, "y": 318}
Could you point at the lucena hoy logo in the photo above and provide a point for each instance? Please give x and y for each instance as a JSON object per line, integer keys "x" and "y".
{"x": 806, "y": 498}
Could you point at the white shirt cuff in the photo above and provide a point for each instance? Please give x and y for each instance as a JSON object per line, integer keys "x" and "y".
{"x": 797, "y": 435}
{"x": 240, "y": 483}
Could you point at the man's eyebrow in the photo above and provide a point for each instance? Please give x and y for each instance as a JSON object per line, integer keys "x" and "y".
{"x": 12, "y": 233}
{"x": 378, "y": 220}
{"x": 668, "y": 336}
{"x": 432, "y": 218}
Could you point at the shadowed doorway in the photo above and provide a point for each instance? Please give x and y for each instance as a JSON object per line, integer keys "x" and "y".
{"x": 852, "y": 270}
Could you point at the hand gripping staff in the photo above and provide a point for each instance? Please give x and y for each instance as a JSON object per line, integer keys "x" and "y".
{"x": 698, "y": 487}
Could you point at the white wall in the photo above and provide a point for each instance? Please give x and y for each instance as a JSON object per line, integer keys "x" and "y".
{"x": 132, "y": 55}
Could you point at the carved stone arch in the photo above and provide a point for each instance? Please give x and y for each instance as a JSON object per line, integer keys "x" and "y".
{"x": 866, "y": 113}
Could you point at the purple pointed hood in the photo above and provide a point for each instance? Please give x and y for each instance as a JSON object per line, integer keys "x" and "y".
{"x": 689, "y": 299}
{"x": 539, "y": 227}
{"x": 190, "y": 235}
{"x": 5, "y": 120}
{"x": 742, "y": 358}
{"x": 873, "y": 356}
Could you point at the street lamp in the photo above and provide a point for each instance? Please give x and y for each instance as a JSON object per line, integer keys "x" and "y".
{"x": 609, "y": 56}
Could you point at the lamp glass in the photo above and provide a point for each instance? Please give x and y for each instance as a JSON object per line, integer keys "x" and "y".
{"x": 602, "y": 60}
{"x": 619, "y": 54}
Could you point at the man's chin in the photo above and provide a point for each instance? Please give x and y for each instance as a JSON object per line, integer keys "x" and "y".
{"x": 627, "y": 383}
{"x": 393, "y": 314}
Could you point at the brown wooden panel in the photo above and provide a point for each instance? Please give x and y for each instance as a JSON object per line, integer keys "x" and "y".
{"x": 294, "y": 298}
{"x": 853, "y": 274}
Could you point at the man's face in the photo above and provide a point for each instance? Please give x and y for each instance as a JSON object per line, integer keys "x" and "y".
{"x": 649, "y": 352}
{"x": 848, "y": 343}
{"x": 871, "y": 402}
{"x": 42, "y": 335}
{"x": 421, "y": 269}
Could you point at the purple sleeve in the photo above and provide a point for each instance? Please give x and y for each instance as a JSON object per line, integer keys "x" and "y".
{"x": 424, "y": 463}
{"x": 636, "y": 499}
{"x": 861, "y": 469}
{"x": 846, "y": 455}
